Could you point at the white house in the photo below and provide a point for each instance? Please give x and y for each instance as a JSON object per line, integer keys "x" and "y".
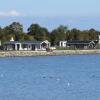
{"x": 26, "y": 45}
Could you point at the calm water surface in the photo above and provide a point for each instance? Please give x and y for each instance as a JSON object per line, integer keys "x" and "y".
{"x": 72, "y": 77}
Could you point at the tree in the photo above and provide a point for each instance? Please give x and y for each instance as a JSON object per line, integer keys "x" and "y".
{"x": 14, "y": 30}
{"x": 58, "y": 34}
{"x": 16, "y": 27}
{"x": 38, "y": 32}
{"x": 92, "y": 34}
{"x": 75, "y": 34}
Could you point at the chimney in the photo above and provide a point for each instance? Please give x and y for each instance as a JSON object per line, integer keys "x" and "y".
{"x": 12, "y": 39}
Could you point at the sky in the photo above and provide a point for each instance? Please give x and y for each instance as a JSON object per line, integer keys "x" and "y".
{"x": 81, "y": 14}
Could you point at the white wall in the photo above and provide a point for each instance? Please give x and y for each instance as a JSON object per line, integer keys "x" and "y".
{"x": 99, "y": 39}
{"x": 0, "y": 43}
{"x": 62, "y": 43}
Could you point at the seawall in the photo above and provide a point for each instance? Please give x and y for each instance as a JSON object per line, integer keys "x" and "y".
{"x": 44, "y": 53}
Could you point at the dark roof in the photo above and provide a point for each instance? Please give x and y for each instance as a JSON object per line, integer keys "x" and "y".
{"x": 31, "y": 42}
{"x": 23, "y": 42}
{"x": 77, "y": 42}
{"x": 12, "y": 42}
{"x": 37, "y": 43}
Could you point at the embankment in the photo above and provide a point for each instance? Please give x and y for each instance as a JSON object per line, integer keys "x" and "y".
{"x": 44, "y": 53}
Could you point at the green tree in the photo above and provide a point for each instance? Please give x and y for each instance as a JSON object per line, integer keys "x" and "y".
{"x": 14, "y": 30}
{"x": 58, "y": 34}
{"x": 16, "y": 27}
{"x": 38, "y": 32}
{"x": 75, "y": 34}
{"x": 93, "y": 34}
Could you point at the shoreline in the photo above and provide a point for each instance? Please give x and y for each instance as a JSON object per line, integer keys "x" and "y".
{"x": 45, "y": 53}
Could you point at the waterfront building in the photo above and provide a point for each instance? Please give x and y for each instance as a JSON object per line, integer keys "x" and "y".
{"x": 79, "y": 44}
{"x": 26, "y": 45}
{"x": 82, "y": 44}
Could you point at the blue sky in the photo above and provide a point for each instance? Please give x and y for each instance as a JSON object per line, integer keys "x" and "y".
{"x": 74, "y": 12}
{"x": 52, "y": 7}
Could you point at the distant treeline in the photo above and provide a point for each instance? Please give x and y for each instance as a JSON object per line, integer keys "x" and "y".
{"x": 37, "y": 32}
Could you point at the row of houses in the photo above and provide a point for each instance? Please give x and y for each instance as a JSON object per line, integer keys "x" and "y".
{"x": 46, "y": 45}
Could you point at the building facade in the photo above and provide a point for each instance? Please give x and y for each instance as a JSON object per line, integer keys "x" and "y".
{"x": 78, "y": 44}
{"x": 26, "y": 45}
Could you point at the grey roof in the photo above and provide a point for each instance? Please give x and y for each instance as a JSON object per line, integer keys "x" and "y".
{"x": 31, "y": 42}
{"x": 23, "y": 42}
{"x": 12, "y": 42}
{"x": 80, "y": 42}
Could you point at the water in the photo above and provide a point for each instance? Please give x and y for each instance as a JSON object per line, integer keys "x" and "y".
{"x": 72, "y": 77}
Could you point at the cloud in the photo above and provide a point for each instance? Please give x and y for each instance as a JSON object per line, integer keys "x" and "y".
{"x": 11, "y": 13}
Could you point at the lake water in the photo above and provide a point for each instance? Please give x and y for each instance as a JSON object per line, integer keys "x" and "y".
{"x": 72, "y": 77}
